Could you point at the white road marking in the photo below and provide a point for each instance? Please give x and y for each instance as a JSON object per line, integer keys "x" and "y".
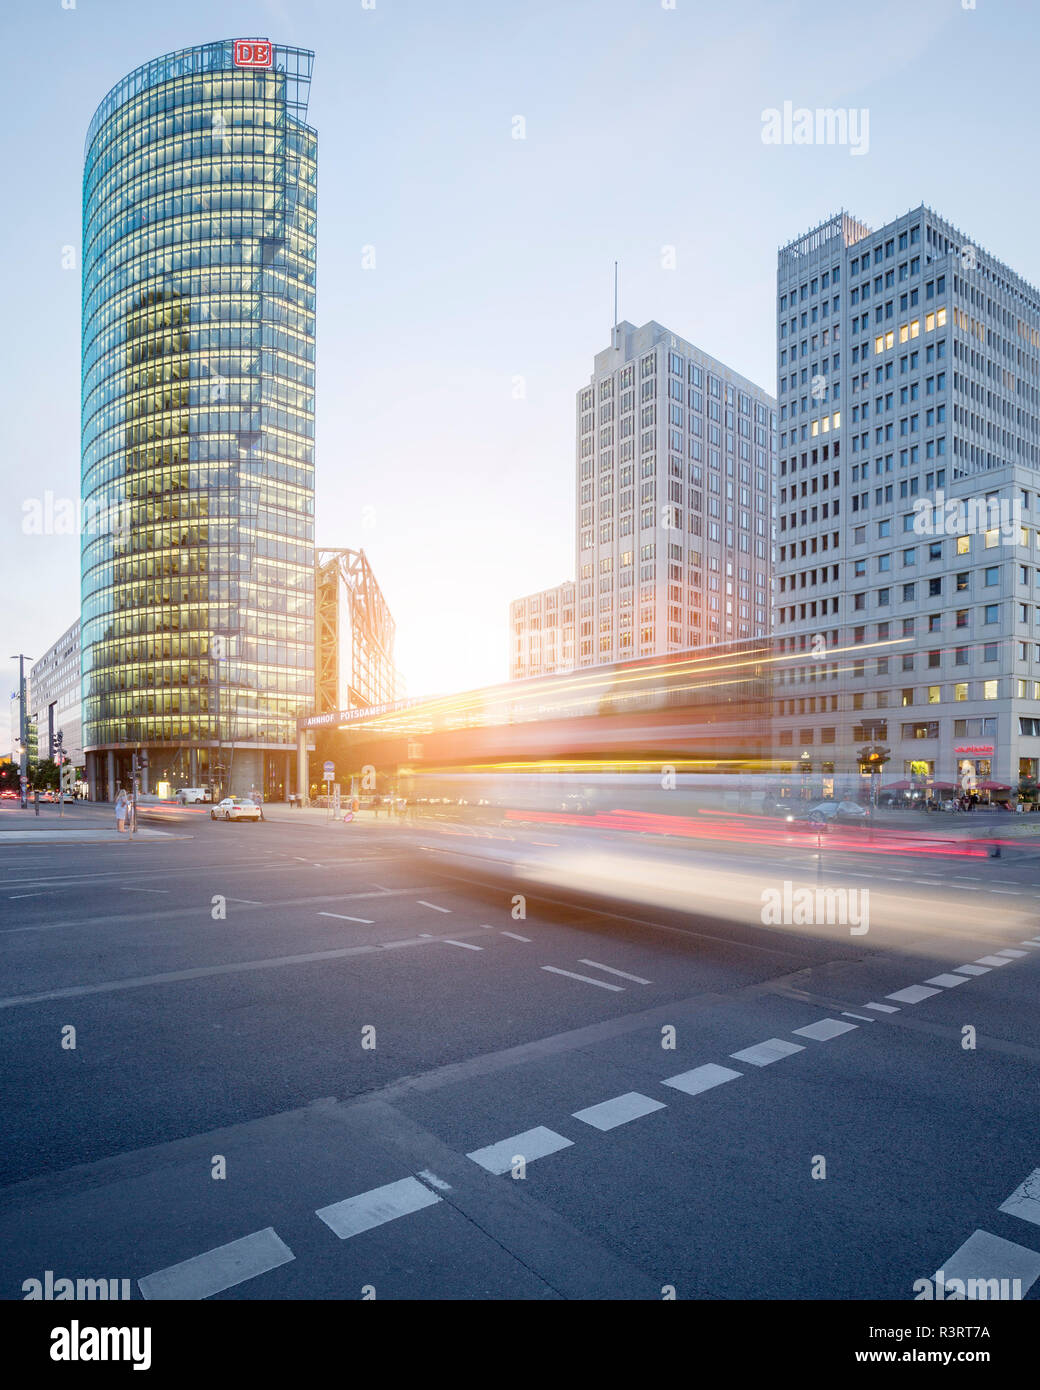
{"x": 422, "y": 903}
{"x": 375, "y": 1207}
{"x": 342, "y": 917}
{"x": 135, "y": 889}
{"x": 174, "y": 976}
{"x": 845, "y": 1014}
{"x": 466, "y": 945}
{"x": 947, "y": 981}
{"x": 701, "y": 1078}
{"x": 972, "y": 970}
{"x": 763, "y": 1053}
{"x": 1012, "y": 955}
{"x": 434, "y": 1180}
{"x": 587, "y": 978}
{"x": 251, "y": 901}
{"x": 608, "y": 1114}
{"x": 823, "y": 1031}
{"x": 532, "y": 1144}
{"x": 513, "y": 936}
{"x": 623, "y": 974}
{"x": 13, "y": 896}
{"x": 986, "y": 1256}
{"x": 1025, "y": 1200}
{"x": 882, "y": 1008}
{"x": 1035, "y": 944}
{"x": 992, "y": 960}
{"x": 913, "y": 994}
{"x": 218, "y": 1269}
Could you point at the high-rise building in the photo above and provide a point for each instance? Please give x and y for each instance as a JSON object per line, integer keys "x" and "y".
{"x": 908, "y": 570}
{"x": 199, "y": 198}
{"x": 54, "y": 697}
{"x": 675, "y": 511}
{"x": 675, "y": 488}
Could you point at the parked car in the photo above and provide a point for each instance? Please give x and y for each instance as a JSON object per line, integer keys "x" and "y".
{"x": 236, "y": 808}
{"x": 837, "y": 811}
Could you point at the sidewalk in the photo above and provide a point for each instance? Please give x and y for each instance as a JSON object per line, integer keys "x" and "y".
{"x": 84, "y": 822}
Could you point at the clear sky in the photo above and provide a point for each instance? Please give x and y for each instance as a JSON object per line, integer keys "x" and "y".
{"x": 493, "y": 274}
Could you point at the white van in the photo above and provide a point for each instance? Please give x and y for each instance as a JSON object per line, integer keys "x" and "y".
{"x": 192, "y": 796}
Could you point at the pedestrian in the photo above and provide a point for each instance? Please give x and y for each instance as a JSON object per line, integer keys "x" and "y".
{"x": 122, "y": 806}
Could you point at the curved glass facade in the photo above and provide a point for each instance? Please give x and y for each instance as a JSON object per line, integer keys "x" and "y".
{"x": 199, "y": 211}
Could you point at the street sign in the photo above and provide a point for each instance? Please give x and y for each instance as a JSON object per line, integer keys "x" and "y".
{"x": 329, "y": 771}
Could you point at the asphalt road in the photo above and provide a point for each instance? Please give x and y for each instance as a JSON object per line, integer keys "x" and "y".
{"x": 317, "y": 1060}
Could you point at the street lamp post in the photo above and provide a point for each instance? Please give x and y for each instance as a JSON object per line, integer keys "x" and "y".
{"x": 23, "y": 732}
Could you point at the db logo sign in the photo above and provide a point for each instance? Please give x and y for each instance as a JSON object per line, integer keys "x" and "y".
{"x": 253, "y": 53}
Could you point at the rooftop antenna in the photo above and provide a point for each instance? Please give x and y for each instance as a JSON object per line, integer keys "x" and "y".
{"x": 614, "y": 335}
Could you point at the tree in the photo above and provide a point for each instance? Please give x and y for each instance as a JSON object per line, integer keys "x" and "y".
{"x": 45, "y": 774}
{"x": 1027, "y": 789}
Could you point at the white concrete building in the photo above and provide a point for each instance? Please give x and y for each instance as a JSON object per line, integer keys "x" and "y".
{"x": 675, "y": 505}
{"x": 542, "y": 627}
{"x": 55, "y": 699}
{"x": 908, "y": 564}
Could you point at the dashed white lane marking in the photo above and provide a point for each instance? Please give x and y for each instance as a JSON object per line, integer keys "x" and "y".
{"x": 845, "y": 1014}
{"x": 423, "y": 903}
{"x": 434, "y": 1180}
{"x": 972, "y": 970}
{"x": 992, "y": 960}
{"x": 587, "y": 978}
{"x": 375, "y": 1207}
{"x": 702, "y": 1078}
{"x": 532, "y": 1144}
{"x": 823, "y": 1031}
{"x": 12, "y": 896}
{"x": 882, "y": 1008}
{"x": 218, "y": 1269}
{"x": 1025, "y": 1200}
{"x": 947, "y": 981}
{"x": 608, "y": 1114}
{"x": 1035, "y": 944}
{"x": 986, "y": 1256}
{"x": 913, "y": 994}
{"x": 251, "y": 901}
{"x": 623, "y": 974}
{"x": 1011, "y": 954}
{"x": 514, "y": 936}
{"x": 135, "y": 889}
{"x": 342, "y": 917}
{"x": 763, "y": 1053}
{"x": 466, "y": 945}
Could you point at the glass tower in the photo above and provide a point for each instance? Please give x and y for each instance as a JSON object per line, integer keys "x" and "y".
{"x": 199, "y": 215}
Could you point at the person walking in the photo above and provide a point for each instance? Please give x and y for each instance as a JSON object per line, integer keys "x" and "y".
{"x": 122, "y": 808}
